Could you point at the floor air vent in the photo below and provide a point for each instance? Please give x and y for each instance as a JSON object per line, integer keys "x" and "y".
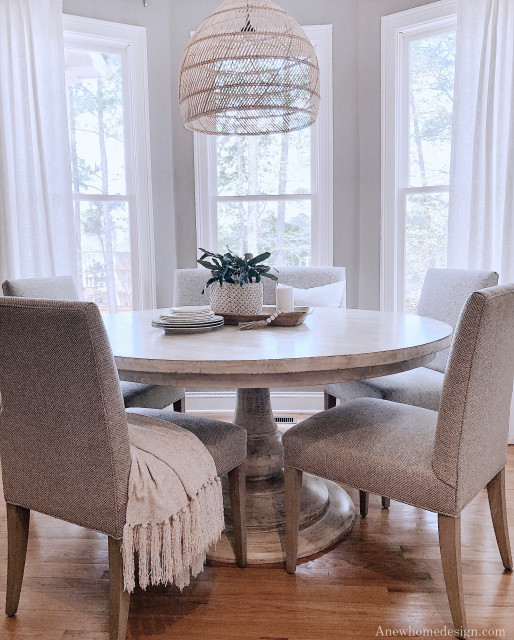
{"x": 285, "y": 420}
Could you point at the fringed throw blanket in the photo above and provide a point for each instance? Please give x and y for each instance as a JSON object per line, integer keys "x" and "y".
{"x": 175, "y": 506}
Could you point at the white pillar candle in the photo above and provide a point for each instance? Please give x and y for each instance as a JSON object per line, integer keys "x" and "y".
{"x": 285, "y": 299}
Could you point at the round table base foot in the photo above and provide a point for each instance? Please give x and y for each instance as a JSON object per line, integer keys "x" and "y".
{"x": 268, "y": 547}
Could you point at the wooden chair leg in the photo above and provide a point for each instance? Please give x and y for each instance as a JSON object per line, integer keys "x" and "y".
{"x": 330, "y": 401}
{"x": 450, "y": 547}
{"x": 237, "y": 488}
{"x": 364, "y": 503}
{"x": 18, "y": 519}
{"x": 498, "y": 506}
{"x": 119, "y": 598}
{"x": 293, "y": 490}
{"x": 180, "y": 405}
{"x": 386, "y": 502}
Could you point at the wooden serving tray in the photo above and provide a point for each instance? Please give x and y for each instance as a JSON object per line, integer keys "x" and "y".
{"x": 292, "y": 319}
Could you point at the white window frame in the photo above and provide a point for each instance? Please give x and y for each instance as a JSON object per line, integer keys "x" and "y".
{"x": 322, "y": 175}
{"x": 397, "y": 32}
{"x": 129, "y": 42}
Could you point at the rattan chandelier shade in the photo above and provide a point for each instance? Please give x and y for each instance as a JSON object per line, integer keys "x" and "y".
{"x": 249, "y": 69}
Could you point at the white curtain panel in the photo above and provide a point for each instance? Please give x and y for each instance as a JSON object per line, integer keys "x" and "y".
{"x": 36, "y": 214}
{"x": 481, "y": 218}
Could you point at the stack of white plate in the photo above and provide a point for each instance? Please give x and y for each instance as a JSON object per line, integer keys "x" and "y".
{"x": 188, "y": 320}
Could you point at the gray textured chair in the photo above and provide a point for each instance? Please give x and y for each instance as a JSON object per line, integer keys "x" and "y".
{"x": 64, "y": 441}
{"x": 438, "y": 462}
{"x": 63, "y": 288}
{"x": 189, "y": 283}
{"x": 444, "y": 293}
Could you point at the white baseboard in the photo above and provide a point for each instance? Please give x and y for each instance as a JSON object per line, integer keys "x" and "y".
{"x": 281, "y": 401}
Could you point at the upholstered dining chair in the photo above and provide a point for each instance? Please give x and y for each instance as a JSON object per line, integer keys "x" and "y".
{"x": 438, "y": 462}
{"x": 135, "y": 394}
{"x": 443, "y": 295}
{"x": 64, "y": 436}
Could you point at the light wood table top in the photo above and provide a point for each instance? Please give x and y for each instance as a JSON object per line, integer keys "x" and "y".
{"x": 332, "y": 345}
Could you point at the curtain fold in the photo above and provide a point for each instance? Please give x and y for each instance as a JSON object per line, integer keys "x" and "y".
{"x": 36, "y": 214}
{"x": 481, "y": 216}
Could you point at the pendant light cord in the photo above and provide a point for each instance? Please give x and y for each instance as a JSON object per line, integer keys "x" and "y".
{"x": 248, "y": 26}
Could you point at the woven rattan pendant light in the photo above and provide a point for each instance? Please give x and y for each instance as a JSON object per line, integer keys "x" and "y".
{"x": 249, "y": 69}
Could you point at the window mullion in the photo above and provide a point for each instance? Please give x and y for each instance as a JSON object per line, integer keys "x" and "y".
{"x": 102, "y": 197}
{"x": 438, "y": 188}
{"x": 265, "y": 197}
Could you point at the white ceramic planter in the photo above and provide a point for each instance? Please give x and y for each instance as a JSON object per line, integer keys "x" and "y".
{"x": 232, "y": 298}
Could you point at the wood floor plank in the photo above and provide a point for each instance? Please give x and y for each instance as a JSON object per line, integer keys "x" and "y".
{"x": 386, "y": 574}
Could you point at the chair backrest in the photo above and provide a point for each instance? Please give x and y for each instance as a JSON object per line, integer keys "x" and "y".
{"x": 56, "y": 288}
{"x": 63, "y": 432}
{"x": 473, "y": 426}
{"x": 190, "y": 282}
{"x": 444, "y": 293}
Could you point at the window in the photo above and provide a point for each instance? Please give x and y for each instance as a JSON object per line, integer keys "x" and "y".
{"x": 108, "y": 124}
{"x": 418, "y": 69}
{"x": 274, "y": 192}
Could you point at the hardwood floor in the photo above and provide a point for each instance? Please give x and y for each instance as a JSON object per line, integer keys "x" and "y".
{"x": 387, "y": 574}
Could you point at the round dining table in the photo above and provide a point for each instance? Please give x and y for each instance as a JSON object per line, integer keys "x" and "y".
{"x": 332, "y": 345}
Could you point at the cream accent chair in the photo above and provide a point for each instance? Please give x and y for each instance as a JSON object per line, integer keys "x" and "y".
{"x": 135, "y": 394}
{"x": 444, "y": 293}
{"x": 434, "y": 461}
{"x": 64, "y": 436}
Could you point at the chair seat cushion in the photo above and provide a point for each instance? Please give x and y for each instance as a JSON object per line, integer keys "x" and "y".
{"x": 150, "y": 396}
{"x": 420, "y": 387}
{"x": 226, "y": 442}
{"x": 374, "y": 445}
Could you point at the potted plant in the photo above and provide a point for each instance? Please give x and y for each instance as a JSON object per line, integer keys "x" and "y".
{"x": 235, "y": 285}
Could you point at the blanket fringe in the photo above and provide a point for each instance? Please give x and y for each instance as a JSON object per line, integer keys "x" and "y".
{"x": 173, "y": 551}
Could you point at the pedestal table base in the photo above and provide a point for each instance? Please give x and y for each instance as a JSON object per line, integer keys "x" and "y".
{"x": 327, "y": 512}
